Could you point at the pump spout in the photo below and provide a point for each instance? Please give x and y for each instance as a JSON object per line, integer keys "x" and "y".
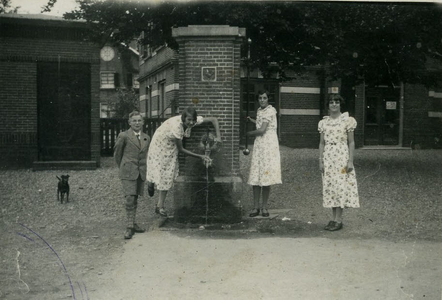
{"x": 208, "y": 145}
{"x": 207, "y": 153}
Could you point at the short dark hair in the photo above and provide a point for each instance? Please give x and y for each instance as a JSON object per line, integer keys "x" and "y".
{"x": 189, "y": 111}
{"x": 260, "y": 92}
{"x": 134, "y": 113}
{"x": 335, "y": 97}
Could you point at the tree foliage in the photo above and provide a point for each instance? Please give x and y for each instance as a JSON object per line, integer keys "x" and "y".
{"x": 380, "y": 42}
{"x": 6, "y": 8}
{"x": 128, "y": 101}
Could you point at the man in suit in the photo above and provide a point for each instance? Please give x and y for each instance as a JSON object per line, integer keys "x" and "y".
{"x": 130, "y": 154}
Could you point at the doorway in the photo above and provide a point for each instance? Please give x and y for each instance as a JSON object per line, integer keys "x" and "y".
{"x": 64, "y": 111}
{"x": 382, "y": 116}
{"x": 249, "y": 108}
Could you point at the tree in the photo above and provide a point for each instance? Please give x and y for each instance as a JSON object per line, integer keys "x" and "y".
{"x": 380, "y": 42}
{"x": 5, "y": 7}
{"x": 128, "y": 101}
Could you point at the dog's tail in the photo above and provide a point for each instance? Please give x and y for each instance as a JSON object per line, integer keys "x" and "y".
{"x": 58, "y": 178}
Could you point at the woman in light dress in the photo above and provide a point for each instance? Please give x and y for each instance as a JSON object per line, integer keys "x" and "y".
{"x": 162, "y": 158}
{"x": 265, "y": 169}
{"x": 336, "y": 151}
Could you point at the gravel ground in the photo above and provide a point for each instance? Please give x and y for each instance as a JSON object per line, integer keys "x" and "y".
{"x": 44, "y": 242}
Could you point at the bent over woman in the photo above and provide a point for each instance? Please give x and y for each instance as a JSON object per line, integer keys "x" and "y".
{"x": 162, "y": 158}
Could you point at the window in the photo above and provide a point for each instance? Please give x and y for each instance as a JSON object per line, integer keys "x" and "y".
{"x": 252, "y": 97}
{"x": 129, "y": 80}
{"x": 107, "y": 110}
{"x": 146, "y": 51}
{"x": 161, "y": 96}
{"x": 107, "y": 80}
{"x": 135, "y": 83}
{"x": 132, "y": 81}
{"x": 149, "y": 101}
{"x": 272, "y": 89}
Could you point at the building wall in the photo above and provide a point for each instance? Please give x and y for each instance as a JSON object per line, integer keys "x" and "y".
{"x": 422, "y": 116}
{"x": 18, "y": 80}
{"x": 300, "y": 110}
{"x": 18, "y": 115}
{"x": 157, "y": 70}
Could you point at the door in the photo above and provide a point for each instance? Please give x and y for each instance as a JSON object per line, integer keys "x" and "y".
{"x": 64, "y": 111}
{"x": 249, "y": 108}
{"x": 382, "y": 116}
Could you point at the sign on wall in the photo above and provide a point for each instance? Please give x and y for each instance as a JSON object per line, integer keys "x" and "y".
{"x": 208, "y": 73}
{"x": 391, "y": 105}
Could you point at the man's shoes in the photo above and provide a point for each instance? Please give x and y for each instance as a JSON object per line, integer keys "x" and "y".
{"x": 330, "y": 225}
{"x": 138, "y": 229}
{"x": 254, "y": 213}
{"x": 151, "y": 189}
{"x": 337, "y": 226}
{"x": 129, "y": 233}
{"x": 265, "y": 213}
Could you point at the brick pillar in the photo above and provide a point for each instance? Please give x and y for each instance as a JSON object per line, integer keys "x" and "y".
{"x": 209, "y": 78}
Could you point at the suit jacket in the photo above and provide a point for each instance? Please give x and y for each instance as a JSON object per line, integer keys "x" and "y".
{"x": 130, "y": 154}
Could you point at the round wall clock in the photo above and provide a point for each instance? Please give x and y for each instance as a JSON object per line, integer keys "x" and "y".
{"x": 107, "y": 53}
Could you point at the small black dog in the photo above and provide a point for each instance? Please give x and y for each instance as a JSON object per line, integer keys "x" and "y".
{"x": 63, "y": 188}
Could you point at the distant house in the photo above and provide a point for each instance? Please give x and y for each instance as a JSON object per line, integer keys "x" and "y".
{"x": 118, "y": 70}
{"x": 159, "y": 82}
{"x": 49, "y": 95}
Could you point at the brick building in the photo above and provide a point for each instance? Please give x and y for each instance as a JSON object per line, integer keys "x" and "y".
{"x": 406, "y": 115}
{"x": 50, "y": 80}
{"x": 118, "y": 70}
{"x": 158, "y": 82}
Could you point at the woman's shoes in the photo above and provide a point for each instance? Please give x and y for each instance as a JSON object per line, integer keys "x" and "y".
{"x": 254, "y": 213}
{"x": 330, "y": 225}
{"x": 336, "y": 226}
{"x": 161, "y": 211}
{"x": 265, "y": 213}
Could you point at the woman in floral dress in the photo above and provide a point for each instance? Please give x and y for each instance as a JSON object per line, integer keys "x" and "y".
{"x": 265, "y": 169}
{"x": 336, "y": 150}
{"x": 162, "y": 158}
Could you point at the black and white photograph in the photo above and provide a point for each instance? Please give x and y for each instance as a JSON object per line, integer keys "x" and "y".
{"x": 225, "y": 149}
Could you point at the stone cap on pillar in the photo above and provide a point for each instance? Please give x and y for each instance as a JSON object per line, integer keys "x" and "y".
{"x": 208, "y": 30}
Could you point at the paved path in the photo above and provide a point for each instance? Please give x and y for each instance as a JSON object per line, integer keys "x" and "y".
{"x": 170, "y": 265}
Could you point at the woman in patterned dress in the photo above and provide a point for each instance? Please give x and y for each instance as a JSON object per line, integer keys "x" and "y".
{"x": 162, "y": 158}
{"x": 265, "y": 169}
{"x": 336, "y": 150}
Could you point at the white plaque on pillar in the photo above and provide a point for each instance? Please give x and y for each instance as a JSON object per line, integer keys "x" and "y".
{"x": 208, "y": 73}
{"x": 390, "y": 105}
